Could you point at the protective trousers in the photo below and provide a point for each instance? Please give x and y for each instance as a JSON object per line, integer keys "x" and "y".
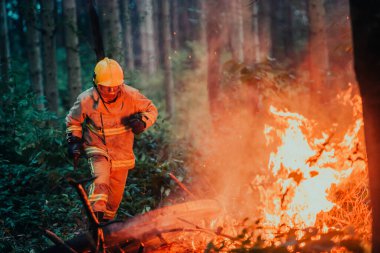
{"x": 106, "y": 192}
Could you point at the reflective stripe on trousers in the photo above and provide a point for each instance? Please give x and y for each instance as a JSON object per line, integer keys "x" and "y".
{"x": 107, "y": 190}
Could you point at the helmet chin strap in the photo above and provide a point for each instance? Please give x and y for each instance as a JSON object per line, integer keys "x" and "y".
{"x": 100, "y": 95}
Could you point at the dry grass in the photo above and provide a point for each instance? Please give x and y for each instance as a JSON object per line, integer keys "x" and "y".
{"x": 352, "y": 212}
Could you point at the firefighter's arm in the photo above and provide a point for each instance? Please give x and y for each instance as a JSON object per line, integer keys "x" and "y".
{"x": 74, "y": 120}
{"x": 146, "y": 108}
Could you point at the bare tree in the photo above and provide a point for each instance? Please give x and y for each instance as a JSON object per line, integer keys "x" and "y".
{"x": 34, "y": 50}
{"x": 19, "y": 26}
{"x": 236, "y": 29}
{"x": 127, "y": 34}
{"x": 256, "y": 32}
{"x": 111, "y": 27}
{"x": 147, "y": 33}
{"x": 72, "y": 49}
{"x": 247, "y": 30}
{"x": 265, "y": 29}
{"x": 318, "y": 51}
{"x": 49, "y": 48}
{"x": 184, "y": 29}
{"x": 4, "y": 46}
{"x": 281, "y": 30}
{"x": 169, "y": 83}
{"x": 215, "y": 42}
{"x": 365, "y": 22}
{"x": 174, "y": 24}
{"x": 203, "y": 22}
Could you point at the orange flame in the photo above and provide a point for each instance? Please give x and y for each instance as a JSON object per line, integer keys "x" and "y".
{"x": 304, "y": 169}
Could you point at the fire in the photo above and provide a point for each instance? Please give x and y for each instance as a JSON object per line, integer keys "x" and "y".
{"x": 304, "y": 168}
{"x": 307, "y": 173}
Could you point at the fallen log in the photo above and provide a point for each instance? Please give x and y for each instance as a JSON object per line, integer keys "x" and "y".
{"x": 146, "y": 228}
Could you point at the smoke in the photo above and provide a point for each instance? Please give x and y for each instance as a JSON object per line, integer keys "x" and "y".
{"x": 228, "y": 152}
{"x": 227, "y": 148}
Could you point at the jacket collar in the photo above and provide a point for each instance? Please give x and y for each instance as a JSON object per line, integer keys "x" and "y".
{"x": 95, "y": 94}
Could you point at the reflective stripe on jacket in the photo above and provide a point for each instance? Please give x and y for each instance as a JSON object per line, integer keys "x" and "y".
{"x": 103, "y": 126}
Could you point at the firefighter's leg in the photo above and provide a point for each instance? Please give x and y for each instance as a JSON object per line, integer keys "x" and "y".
{"x": 117, "y": 184}
{"x": 99, "y": 189}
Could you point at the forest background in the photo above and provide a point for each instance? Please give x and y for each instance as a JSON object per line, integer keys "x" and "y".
{"x": 212, "y": 68}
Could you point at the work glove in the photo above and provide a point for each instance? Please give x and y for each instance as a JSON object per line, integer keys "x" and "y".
{"x": 75, "y": 148}
{"x": 136, "y": 123}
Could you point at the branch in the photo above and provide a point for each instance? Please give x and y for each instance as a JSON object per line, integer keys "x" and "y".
{"x": 58, "y": 241}
{"x": 86, "y": 203}
{"x": 90, "y": 214}
{"x": 182, "y": 186}
{"x": 218, "y": 233}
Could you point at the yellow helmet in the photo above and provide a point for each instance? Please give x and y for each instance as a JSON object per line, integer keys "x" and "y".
{"x": 108, "y": 73}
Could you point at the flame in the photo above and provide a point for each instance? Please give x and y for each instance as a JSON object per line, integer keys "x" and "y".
{"x": 295, "y": 191}
{"x": 304, "y": 168}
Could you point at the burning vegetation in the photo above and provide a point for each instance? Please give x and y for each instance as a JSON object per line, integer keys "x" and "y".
{"x": 289, "y": 177}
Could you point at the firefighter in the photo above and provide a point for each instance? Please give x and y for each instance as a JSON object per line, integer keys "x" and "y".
{"x": 101, "y": 124}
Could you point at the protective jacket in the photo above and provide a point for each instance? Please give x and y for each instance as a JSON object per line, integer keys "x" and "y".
{"x": 103, "y": 126}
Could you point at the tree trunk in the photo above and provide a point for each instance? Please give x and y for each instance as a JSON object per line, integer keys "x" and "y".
{"x": 247, "y": 30}
{"x": 143, "y": 36}
{"x": 183, "y": 23}
{"x": 112, "y": 30}
{"x": 256, "y": 32}
{"x": 365, "y": 22}
{"x": 203, "y": 21}
{"x": 195, "y": 20}
{"x": 148, "y": 50}
{"x": 49, "y": 47}
{"x": 174, "y": 24}
{"x": 281, "y": 29}
{"x": 289, "y": 38}
{"x": 318, "y": 51}
{"x": 169, "y": 83}
{"x": 158, "y": 25}
{"x": 265, "y": 29}
{"x": 127, "y": 35}
{"x": 135, "y": 31}
{"x": 4, "y": 49}
{"x": 34, "y": 51}
{"x": 95, "y": 30}
{"x": 236, "y": 30}
{"x": 338, "y": 41}
{"x": 21, "y": 21}
{"x": 215, "y": 42}
{"x": 72, "y": 49}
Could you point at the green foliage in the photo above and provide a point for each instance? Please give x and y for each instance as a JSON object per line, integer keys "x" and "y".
{"x": 33, "y": 165}
{"x": 31, "y": 135}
